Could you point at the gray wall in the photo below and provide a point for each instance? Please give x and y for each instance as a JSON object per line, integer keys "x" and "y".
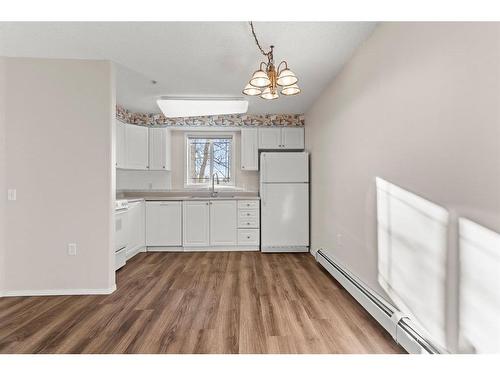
{"x": 418, "y": 105}
{"x": 60, "y": 158}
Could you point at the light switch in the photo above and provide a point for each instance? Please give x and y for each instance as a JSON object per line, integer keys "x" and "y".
{"x": 11, "y": 194}
{"x": 72, "y": 249}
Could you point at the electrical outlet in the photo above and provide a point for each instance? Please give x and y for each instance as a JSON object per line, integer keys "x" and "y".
{"x": 72, "y": 249}
{"x": 11, "y": 194}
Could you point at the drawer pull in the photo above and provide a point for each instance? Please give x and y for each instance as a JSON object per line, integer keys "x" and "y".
{"x": 248, "y": 237}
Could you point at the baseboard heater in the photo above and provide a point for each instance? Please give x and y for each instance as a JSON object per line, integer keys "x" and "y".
{"x": 397, "y": 324}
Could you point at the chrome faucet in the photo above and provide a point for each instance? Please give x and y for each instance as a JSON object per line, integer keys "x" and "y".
{"x": 214, "y": 193}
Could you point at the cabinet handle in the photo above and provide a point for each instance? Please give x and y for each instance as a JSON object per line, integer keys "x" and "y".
{"x": 248, "y": 237}
{"x": 248, "y": 214}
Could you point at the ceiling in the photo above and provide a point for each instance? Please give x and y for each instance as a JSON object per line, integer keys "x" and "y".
{"x": 209, "y": 59}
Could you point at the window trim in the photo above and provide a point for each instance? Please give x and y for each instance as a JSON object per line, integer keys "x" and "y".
{"x": 213, "y": 134}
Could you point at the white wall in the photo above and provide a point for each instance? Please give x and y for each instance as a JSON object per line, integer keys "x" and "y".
{"x": 417, "y": 105}
{"x": 60, "y": 158}
{"x": 142, "y": 180}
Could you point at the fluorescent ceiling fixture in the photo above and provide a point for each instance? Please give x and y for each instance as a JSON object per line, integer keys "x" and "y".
{"x": 187, "y": 107}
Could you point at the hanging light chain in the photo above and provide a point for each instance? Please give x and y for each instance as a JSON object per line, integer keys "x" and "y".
{"x": 267, "y": 54}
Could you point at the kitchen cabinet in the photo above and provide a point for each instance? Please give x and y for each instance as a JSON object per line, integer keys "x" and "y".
{"x": 281, "y": 138}
{"x": 159, "y": 149}
{"x": 248, "y": 223}
{"x": 164, "y": 223}
{"x": 136, "y": 146}
{"x": 120, "y": 144}
{"x": 196, "y": 223}
{"x": 136, "y": 228}
{"x": 270, "y": 139}
{"x": 292, "y": 138}
{"x": 249, "y": 149}
{"x": 223, "y": 231}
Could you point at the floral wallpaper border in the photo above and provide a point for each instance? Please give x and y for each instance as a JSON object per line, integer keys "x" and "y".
{"x": 153, "y": 119}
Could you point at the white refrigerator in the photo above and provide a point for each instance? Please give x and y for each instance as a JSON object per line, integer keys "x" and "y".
{"x": 284, "y": 193}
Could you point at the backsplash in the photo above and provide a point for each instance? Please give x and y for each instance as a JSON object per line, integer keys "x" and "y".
{"x": 158, "y": 119}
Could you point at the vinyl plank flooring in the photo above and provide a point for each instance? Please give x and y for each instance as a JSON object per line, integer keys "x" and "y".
{"x": 212, "y": 302}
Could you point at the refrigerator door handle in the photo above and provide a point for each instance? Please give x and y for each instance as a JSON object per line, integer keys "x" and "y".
{"x": 262, "y": 194}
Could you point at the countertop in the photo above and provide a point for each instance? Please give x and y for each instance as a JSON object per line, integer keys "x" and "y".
{"x": 185, "y": 196}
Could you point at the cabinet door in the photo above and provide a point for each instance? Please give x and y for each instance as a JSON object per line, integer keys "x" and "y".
{"x": 120, "y": 145}
{"x": 292, "y": 138}
{"x": 223, "y": 219}
{"x": 249, "y": 149}
{"x": 196, "y": 217}
{"x": 163, "y": 224}
{"x": 159, "y": 149}
{"x": 270, "y": 139}
{"x": 136, "y": 145}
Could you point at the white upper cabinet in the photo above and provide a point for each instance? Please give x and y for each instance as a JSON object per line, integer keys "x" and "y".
{"x": 196, "y": 223}
{"x": 120, "y": 144}
{"x": 250, "y": 149}
{"x": 281, "y": 138}
{"x": 159, "y": 149}
{"x": 164, "y": 223}
{"x": 223, "y": 231}
{"x": 270, "y": 139}
{"x": 292, "y": 138}
{"x": 136, "y": 145}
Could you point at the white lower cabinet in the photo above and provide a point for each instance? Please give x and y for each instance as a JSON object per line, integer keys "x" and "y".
{"x": 249, "y": 223}
{"x": 196, "y": 223}
{"x": 164, "y": 223}
{"x": 136, "y": 228}
{"x": 248, "y": 237}
{"x": 202, "y": 225}
{"x": 223, "y": 223}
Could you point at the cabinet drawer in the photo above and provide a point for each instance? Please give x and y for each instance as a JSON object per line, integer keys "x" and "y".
{"x": 248, "y": 223}
{"x": 250, "y": 214}
{"x": 248, "y": 204}
{"x": 248, "y": 236}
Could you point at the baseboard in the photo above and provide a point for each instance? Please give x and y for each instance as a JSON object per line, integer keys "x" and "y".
{"x": 285, "y": 249}
{"x": 166, "y": 249}
{"x": 136, "y": 251}
{"x": 221, "y": 249}
{"x": 58, "y": 292}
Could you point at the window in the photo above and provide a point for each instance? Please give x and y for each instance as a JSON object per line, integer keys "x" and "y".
{"x": 209, "y": 155}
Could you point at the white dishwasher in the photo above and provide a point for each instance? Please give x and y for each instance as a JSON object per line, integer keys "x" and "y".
{"x": 121, "y": 232}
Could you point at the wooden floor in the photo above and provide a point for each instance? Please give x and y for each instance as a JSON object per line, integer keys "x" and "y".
{"x": 229, "y": 302}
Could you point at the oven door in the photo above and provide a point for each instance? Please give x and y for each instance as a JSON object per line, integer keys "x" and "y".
{"x": 121, "y": 221}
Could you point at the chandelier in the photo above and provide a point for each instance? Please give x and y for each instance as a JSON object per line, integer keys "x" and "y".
{"x": 267, "y": 78}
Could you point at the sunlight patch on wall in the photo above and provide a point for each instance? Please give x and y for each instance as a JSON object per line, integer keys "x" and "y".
{"x": 479, "y": 288}
{"x": 412, "y": 246}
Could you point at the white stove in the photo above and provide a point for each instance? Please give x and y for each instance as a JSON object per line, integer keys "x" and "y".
{"x": 121, "y": 204}
{"x": 121, "y": 239}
